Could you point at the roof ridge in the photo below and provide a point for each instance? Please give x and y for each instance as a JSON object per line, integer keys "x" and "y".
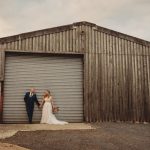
{"x": 70, "y": 26}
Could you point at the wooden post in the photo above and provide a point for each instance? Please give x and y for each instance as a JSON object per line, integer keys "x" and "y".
{"x": 1, "y": 101}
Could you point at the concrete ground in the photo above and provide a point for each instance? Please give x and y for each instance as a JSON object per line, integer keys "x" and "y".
{"x": 8, "y": 130}
{"x": 6, "y": 146}
{"x": 99, "y": 136}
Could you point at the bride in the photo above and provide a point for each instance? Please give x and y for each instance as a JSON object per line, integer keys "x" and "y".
{"x": 47, "y": 113}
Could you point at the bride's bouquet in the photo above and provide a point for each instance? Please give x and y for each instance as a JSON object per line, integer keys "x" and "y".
{"x": 55, "y": 109}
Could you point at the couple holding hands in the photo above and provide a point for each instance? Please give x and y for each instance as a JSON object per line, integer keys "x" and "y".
{"x": 47, "y": 107}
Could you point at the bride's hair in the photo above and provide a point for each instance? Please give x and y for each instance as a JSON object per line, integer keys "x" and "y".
{"x": 47, "y": 94}
{"x": 48, "y": 91}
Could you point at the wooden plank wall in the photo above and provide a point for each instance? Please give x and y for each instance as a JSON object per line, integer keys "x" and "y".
{"x": 1, "y": 102}
{"x": 116, "y": 70}
{"x": 64, "y": 41}
{"x": 118, "y": 77}
{"x": 2, "y": 65}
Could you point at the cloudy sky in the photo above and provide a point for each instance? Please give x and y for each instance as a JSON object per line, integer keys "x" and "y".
{"x": 127, "y": 16}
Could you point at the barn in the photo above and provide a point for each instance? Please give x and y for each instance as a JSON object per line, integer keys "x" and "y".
{"x": 95, "y": 74}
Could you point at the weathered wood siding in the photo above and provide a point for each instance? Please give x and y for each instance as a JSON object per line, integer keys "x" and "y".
{"x": 117, "y": 77}
{"x": 116, "y": 68}
{"x": 1, "y": 102}
{"x": 63, "y": 41}
{"x": 2, "y": 65}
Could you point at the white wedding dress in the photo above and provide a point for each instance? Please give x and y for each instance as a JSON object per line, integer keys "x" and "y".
{"x": 47, "y": 114}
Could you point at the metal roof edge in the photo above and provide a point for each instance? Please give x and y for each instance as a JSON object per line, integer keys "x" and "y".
{"x": 70, "y": 26}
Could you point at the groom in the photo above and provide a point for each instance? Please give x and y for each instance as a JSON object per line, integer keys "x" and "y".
{"x": 30, "y": 98}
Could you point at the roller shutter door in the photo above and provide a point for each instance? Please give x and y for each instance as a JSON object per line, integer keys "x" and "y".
{"x": 63, "y": 75}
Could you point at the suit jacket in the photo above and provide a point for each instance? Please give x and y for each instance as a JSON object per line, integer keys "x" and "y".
{"x": 29, "y": 100}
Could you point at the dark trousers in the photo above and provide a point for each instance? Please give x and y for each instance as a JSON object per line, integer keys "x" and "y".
{"x": 29, "y": 113}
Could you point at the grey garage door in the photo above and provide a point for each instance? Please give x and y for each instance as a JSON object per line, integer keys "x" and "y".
{"x": 63, "y": 75}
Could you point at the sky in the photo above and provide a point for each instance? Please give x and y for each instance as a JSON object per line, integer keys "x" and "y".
{"x": 131, "y": 17}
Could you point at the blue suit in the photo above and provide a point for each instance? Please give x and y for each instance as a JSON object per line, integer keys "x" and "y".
{"x": 29, "y": 101}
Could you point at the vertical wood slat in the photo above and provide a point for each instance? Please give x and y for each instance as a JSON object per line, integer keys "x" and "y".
{"x": 103, "y": 87}
{"x": 148, "y": 77}
{"x": 144, "y": 110}
{"x": 100, "y": 88}
{"x": 111, "y": 76}
{"x": 142, "y": 86}
{"x": 100, "y": 83}
{"x": 47, "y": 43}
{"x": 93, "y": 76}
{"x": 147, "y": 94}
{"x": 113, "y": 79}
{"x": 23, "y": 44}
{"x": 63, "y": 41}
{"x": 50, "y": 42}
{"x": 89, "y": 90}
{"x": 67, "y": 41}
{"x": 133, "y": 82}
{"x": 57, "y": 42}
{"x": 1, "y": 102}
{"x": 97, "y": 80}
{"x": 126, "y": 80}
{"x": 40, "y": 43}
{"x": 26, "y": 44}
{"x": 54, "y": 41}
{"x": 77, "y": 39}
{"x": 108, "y": 73}
{"x": 16, "y": 47}
{"x": 43, "y": 43}
{"x": 8, "y": 45}
{"x": 74, "y": 39}
{"x": 11, "y": 45}
{"x": 119, "y": 80}
{"x": 90, "y": 39}
{"x": 92, "y": 90}
{"x": 86, "y": 74}
{"x": 71, "y": 40}
{"x": 31, "y": 44}
{"x": 131, "y": 71}
{"x": 138, "y": 82}
{"x": 86, "y": 88}
{"x": 136, "y": 65}
{"x": 123, "y": 80}
{"x": 34, "y": 43}
{"x": 19, "y": 43}
{"x": 82, "y": 32}
{"x": 2, "y": 64}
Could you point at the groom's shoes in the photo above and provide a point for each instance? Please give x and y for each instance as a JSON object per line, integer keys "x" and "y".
{"x": 30, "y": 122}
